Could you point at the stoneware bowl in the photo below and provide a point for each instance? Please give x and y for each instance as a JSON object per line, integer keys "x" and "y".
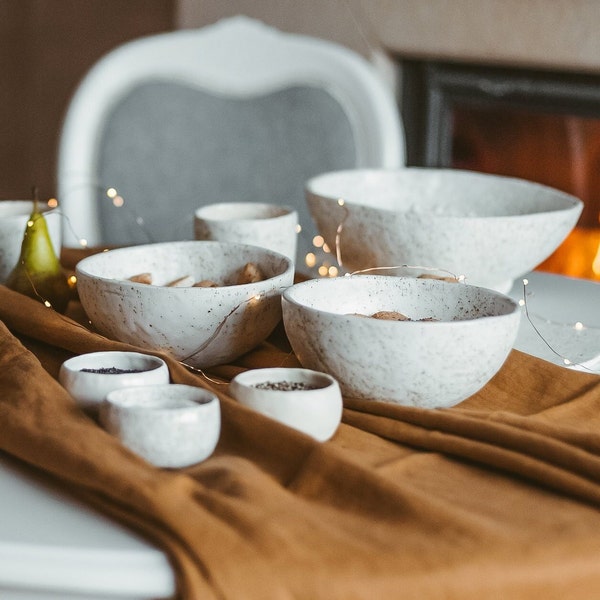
{"x": 300, "y": 398}
{"x": 170, "y": 426}
{"x": 457, "y": 336}
{"x": 90, "y": 377}
{"x": 14, "y": 215}
{"x": 488, "y": 228}
{"x": 255, "y": 223}
{"x": 201, "y": 326}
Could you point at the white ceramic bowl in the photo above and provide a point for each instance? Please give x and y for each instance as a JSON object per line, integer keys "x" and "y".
{"x": 168, "y": 425}
{"x": 14, "y": 215}
{"x": 255, "y": 223}
{"x": 90, "y": 377}
{"x": 490, "y": 229}
{"x": 202, "y": 326}
{"x": 417, "y": 363}
{"x": 300, "y": 398}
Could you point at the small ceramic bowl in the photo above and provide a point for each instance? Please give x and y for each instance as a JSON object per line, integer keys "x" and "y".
{"x": 306, "y": 400}
{"x": 170, "y": 426}
{"x": 255, "y": 223}
{"x": 90, "y": 377}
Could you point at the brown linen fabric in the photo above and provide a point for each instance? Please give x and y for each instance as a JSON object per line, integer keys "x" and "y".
{"x": 495, "y": 498}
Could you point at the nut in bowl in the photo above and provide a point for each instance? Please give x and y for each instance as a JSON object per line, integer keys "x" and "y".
{"x": 487, "y": 228}
{"x": 90, "y": 377}
{"x": 441, "y": 343}
{"x": 171, "y": 425}
{"x": 305, "y": 400}
{"x": 204, "y": 303}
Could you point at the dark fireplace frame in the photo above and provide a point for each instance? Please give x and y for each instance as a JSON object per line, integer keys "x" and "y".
{"x": 430, "y": 90}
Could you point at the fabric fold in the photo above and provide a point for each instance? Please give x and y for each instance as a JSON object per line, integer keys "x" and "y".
{"x": 469, "y": 502}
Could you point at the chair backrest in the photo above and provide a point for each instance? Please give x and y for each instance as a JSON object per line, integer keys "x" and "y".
{"x": 236, "y": 111}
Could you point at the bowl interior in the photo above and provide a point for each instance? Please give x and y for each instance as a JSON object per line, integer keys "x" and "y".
{"x": 202, "y": 260}
{"x": 417, "y": 299}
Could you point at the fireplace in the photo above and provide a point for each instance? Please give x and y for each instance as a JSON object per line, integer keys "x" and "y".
{"x": 537, "y": 125}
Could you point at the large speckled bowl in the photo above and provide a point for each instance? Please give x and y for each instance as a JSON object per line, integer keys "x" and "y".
{"x": 488, "y": 228}
{"x": 201, "y": 326}
{"x": 420, "y": 363}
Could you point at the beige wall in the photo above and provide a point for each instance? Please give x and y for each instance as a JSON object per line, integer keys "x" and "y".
{"x": 552, "y": 34}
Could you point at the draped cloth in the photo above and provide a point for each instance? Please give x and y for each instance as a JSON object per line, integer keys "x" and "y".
{"x": 497, "y": 497}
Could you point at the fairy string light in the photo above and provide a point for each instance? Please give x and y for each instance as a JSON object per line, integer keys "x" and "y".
{"x": 578, "y": 327}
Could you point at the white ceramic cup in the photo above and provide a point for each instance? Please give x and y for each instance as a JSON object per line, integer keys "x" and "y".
{"x": 258, "y": 224}
{"x": 282, "y": 394}
{"x": 170, "y": 426}
{"x": 14, "y": 215}
{"x": 90, "y": 377}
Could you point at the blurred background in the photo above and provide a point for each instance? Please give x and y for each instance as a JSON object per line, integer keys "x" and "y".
{"x": 506, "y": 87}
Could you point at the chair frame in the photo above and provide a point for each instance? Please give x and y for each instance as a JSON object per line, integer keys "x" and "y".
{"x": 237, "y": 57}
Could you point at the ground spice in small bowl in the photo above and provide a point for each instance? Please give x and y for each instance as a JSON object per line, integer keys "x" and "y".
{"x": 111, "y": 370}
{"x": 285, "y": 386}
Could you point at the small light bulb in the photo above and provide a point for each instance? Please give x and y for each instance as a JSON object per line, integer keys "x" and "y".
{"x": 83, "y": 243}
{"x": 111, "y": 192}
{"x": 525, "y": 281}
{"x": 341, "y": 202}
{"x": 298, "y": 228}
{"x": 318, "y": 241}
{"x": 578, "y": 326}
{"x": 52, "y": 202}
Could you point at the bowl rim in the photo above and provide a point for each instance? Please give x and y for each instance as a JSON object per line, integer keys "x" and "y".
{"x": 248, "y": 380}
{"x": 571, "y": 202}
{"x": 515, "y": 308}
{"x": 113, "y": 402}
{"x": 71, "y": 365}
{"x": 82, "y": 267}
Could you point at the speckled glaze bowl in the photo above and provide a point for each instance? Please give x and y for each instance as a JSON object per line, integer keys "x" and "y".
{"x": 90, "y": 377}
{"x": 14, "y": 215}
{"x": 306, "y": 400}
{"x": 170, "y": 426}
{"x": 427, "y": 364}
{"x": 490, "y": 229}
{"x": 201, "y": 326}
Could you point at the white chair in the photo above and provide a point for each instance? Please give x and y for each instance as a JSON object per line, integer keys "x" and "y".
{"x": 236, "y": 111}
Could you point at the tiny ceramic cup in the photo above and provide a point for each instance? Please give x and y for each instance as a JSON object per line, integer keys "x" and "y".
{"x": 170, "y": 426}
{"x": 306, "y": 400}
{"x": 14, "y": 215}
{"x": 90, "y": 377}
{"x": 254, "y": 223}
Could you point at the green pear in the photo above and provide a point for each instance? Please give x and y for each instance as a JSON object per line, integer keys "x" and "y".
{"x": 38, "y": 273}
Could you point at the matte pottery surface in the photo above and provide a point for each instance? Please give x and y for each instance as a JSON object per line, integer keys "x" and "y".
{"x": 202, "y": 326}
{"x": 418, "y": 363}
{"x": 487, "y": 228}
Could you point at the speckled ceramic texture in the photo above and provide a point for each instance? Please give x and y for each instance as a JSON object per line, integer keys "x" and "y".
{"x": 90, "y": 389}
{"x": 14, "y": 215}
{"x": 490, "y": 229}
{"x": 415, "y": 363}
{"x": 255, "y": 223}
{"x": 200, "y": 326}
{"x": 316, "y": 412}
{"x": 170, "y": 426}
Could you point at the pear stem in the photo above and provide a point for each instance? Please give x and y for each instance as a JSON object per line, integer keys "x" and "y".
{"x": 34, "y": 195}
